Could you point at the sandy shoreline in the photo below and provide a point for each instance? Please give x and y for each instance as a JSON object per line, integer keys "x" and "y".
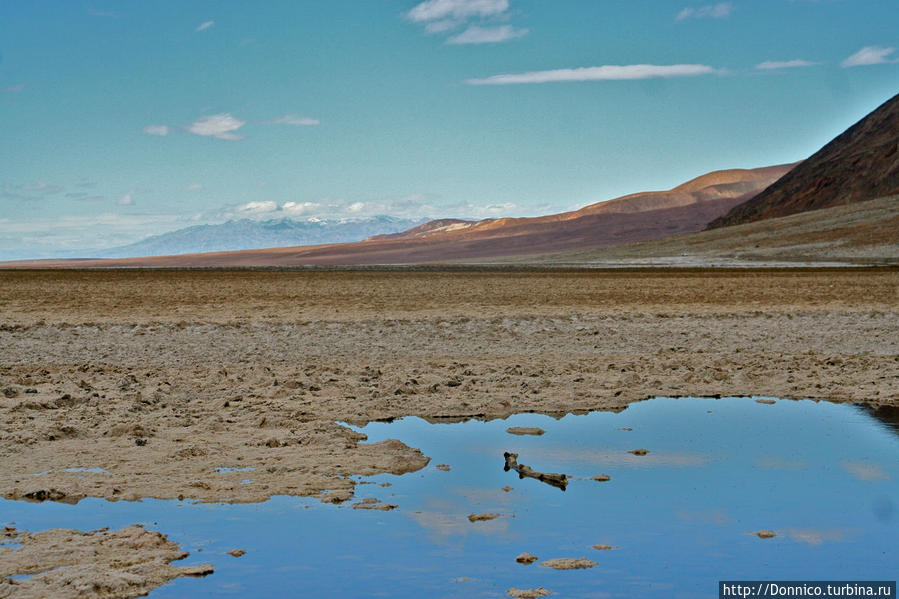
{"x": 159, "y": 379}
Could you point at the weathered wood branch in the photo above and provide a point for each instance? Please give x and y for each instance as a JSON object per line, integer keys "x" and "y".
{"x": 550, "y": 478}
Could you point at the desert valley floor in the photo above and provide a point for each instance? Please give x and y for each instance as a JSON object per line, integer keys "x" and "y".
{"x": 159, "y": 376}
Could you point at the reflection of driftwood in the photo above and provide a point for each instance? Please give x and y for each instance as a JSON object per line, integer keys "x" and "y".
{"x": 550, "y": 478}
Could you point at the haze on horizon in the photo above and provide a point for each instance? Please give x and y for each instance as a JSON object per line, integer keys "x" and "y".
{"x": 122, "y": 120}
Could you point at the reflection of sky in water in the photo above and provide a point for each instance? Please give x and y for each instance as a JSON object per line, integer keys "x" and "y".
{"x": 825, "y": 477}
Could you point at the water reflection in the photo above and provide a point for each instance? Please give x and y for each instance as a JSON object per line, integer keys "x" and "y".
{"x": 888, "y": 415}
{"x": 823, "y": 476}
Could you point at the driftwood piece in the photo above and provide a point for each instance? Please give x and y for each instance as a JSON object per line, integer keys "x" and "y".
{"x": 550, "y": 478}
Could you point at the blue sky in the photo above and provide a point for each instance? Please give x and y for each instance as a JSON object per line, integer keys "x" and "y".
{"x": 123, "y": 119}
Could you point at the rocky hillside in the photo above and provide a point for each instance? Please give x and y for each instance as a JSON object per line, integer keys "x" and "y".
{"x": 861, "y": 164}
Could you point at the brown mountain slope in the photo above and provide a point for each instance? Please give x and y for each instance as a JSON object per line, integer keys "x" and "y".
{"x": 861, "y": 164}
{"x": 711, "y": 187}
{"x": 864, "y": 232}
{"x": 428, "y": 228}
{"x": 637, "y": 217}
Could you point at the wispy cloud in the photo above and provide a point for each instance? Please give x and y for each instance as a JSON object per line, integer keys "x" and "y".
{"x": 769, "y": 65}
{"x": 126, "y": 199}
{"x": 489, "y": 210}
{"x": 870, "y": 55}
{"x": 40, "y": 190}
{"x": 292, "y": 119}
{"x": 219, "y": 126}
{"x": 161, "y": 130}
{"x": 710, "y": 11}
{"x": 205, "y": 25}
{"x": 194, "y": 187}
{"x": 40, "y": 187}
{"x": 14, "y": 89}
{"x": 487, "y": 35}
{"x": 458, "y": 10}
{"x": 302, "y": 208}
{"x": 411, "y": 206}
{"x": 441, "y": 26}
{"x": 263, "y": 207}
{"x": 29, "y": 191}
{"x": 602, "y": 73}
{"x": 83, "y": 196}
{"x": 480, "y": 17}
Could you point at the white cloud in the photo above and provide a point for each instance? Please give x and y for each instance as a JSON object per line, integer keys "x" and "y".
{"x": 220, "y": 126}
{"x": 257, "y": 207}
{"x": 487, "y": 35}
{"x": 194, "y": 187}
{"x": 301, "y": 208}
{"x": 602, "y": 73}
{"x": 126, "y": 200}
{"x": 83, "y": 196}
{"x": 870, "y": 55}
{"x": 412, "y": 206}
{"x": 440, "y": 16}
{"x": 292, "y": 119}
{"x": 710, "y": 11}
{"x": 205, "y": 25}
{"x": 14, "y": 89}
{"x": 456, "y": 10}
{"x": 442, "y": 25}
{"x": 491, "y": 210}
{"x": 161, "y": 130}
{"x": 784, "y": 64}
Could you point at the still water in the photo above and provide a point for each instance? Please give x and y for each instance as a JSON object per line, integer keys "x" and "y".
{"x": 823, "y": 477}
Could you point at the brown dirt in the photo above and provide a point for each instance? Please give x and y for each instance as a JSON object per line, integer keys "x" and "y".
{"x": 162, "y": 377}
{"x": 569, "y": 563}
{"x": 528, "y": 593}
{"x": 482, "y": 517}
{"x": 68, "y": 564}
{"x": 525, "y": 430}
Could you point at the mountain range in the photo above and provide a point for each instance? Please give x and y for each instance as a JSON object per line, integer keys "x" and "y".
{"x": 246, "y": 234}
{"x": 859, "y": 166}
{"x": 636, "y": 217}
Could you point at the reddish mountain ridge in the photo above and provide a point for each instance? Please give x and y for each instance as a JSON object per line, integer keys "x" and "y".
{"x": 637, "y": 217}
{"x": 860, "y": 164}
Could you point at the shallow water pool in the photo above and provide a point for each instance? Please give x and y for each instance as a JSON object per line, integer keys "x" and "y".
{"x": 824, "y": 477}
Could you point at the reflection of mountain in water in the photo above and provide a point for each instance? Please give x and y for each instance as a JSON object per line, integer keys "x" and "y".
{"x": 888, "y": 415}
